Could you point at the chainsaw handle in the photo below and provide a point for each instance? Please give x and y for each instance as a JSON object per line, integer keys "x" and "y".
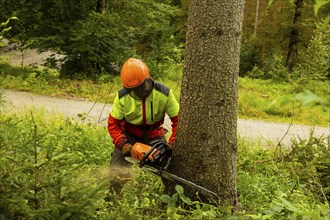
{"x": 145, "y": 157}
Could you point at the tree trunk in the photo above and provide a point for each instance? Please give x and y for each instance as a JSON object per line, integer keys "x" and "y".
{"x": 294, "y": 34}
{"x": 72, "y": 8}
{"x": 85, "y": 62}
{"x": 206, "y": 141}
{"x": 101, "y": 6}
{"x": 256, "y": 20}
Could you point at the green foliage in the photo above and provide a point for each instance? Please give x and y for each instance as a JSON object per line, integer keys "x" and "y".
{"x": 312, "y": 62}
{"x": 316, "y": 60}
{"x": 264, "y": 99}
{"x": 54, "y": 168}
{"x": 2, "y": 99}
{"x": 47, "y": 82}
{"x": 273, "y": 69}
{"x": 272, "y": 1}
{"x": 151, "y": 28}
{"x": 306, "y": 98}
{"x": 250, "y": 57}
{"x": 309, "y": 161}
{"x": 49, "y": 168}
{"x": 97, "y": 42}
{"x": 180, "y": 206}
{"x": 4, "y": 29}
{"x": 139, "y": 198}
{"x": 319, "y": 4}
{"x": 275, "y": 28}
{"x": 274, "y": 183}
{"x": 281, "y": 183}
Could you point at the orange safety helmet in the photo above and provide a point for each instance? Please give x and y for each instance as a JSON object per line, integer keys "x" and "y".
{"x": 133, "y": 73}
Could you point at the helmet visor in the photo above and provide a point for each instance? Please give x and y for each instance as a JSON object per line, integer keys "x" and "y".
{"x": 143, "y": 90}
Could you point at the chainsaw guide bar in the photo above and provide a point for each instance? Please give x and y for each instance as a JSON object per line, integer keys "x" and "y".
{"x": 174, "y": 178}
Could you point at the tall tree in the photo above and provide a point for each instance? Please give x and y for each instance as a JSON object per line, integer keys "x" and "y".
{"x": 206, "y": 144}
{"x": 294, "y": 34}
{"x": 256, "y": 20}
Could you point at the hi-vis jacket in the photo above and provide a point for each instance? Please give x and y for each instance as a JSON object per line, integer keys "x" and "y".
{"x": 143, "y": 117}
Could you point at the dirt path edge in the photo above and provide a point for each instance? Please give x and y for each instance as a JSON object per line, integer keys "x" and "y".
{"x": 266, "y": 132}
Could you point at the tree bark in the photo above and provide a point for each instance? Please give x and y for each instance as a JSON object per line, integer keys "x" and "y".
{"x": 294, "y": 34}
{"x": 85, "y": 62}
{"x": 72, "y": 8}
{"x": 101, "y": 6}
{"x": 256, "y": 20}
{"x": 206, "y": 141}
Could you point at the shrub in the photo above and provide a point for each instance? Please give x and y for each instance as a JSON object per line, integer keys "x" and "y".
{"x": 250, "y": 55}
{"x": 316, "y": 61}
{"x": 309, "y": 162}
{"x": 281, "y": 183}
{"x": 272, "y": 68}
{"x": 49, "y": 167}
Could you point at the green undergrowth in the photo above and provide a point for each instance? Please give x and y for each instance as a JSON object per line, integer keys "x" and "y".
{"x": 300, "y": 102}
{"x": 53, "y": 167}
{"x": 50, "y": 168}
{"x": 280, "y": 183}
{"x": 47, "y": 82}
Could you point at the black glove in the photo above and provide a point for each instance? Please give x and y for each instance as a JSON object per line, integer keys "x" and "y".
{"x": 170, "y": 145}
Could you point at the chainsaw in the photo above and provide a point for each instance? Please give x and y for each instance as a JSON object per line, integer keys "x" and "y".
{"x": 156, "y": 158}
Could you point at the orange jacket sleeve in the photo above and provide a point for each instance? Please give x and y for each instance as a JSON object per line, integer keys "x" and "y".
{"x": 174, "y": 121}
{"x": 116, "y": 132}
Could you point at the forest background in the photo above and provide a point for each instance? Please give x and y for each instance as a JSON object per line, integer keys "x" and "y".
{"x": 284, "y": 74}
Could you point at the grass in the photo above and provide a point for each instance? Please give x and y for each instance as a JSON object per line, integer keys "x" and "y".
{"x": 71, "y": 160}
{"x": 258, "y": 99}
{"x": 279, "y": 102}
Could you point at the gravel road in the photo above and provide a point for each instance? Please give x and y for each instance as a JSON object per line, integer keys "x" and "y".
{"x": 267, "y": 133}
